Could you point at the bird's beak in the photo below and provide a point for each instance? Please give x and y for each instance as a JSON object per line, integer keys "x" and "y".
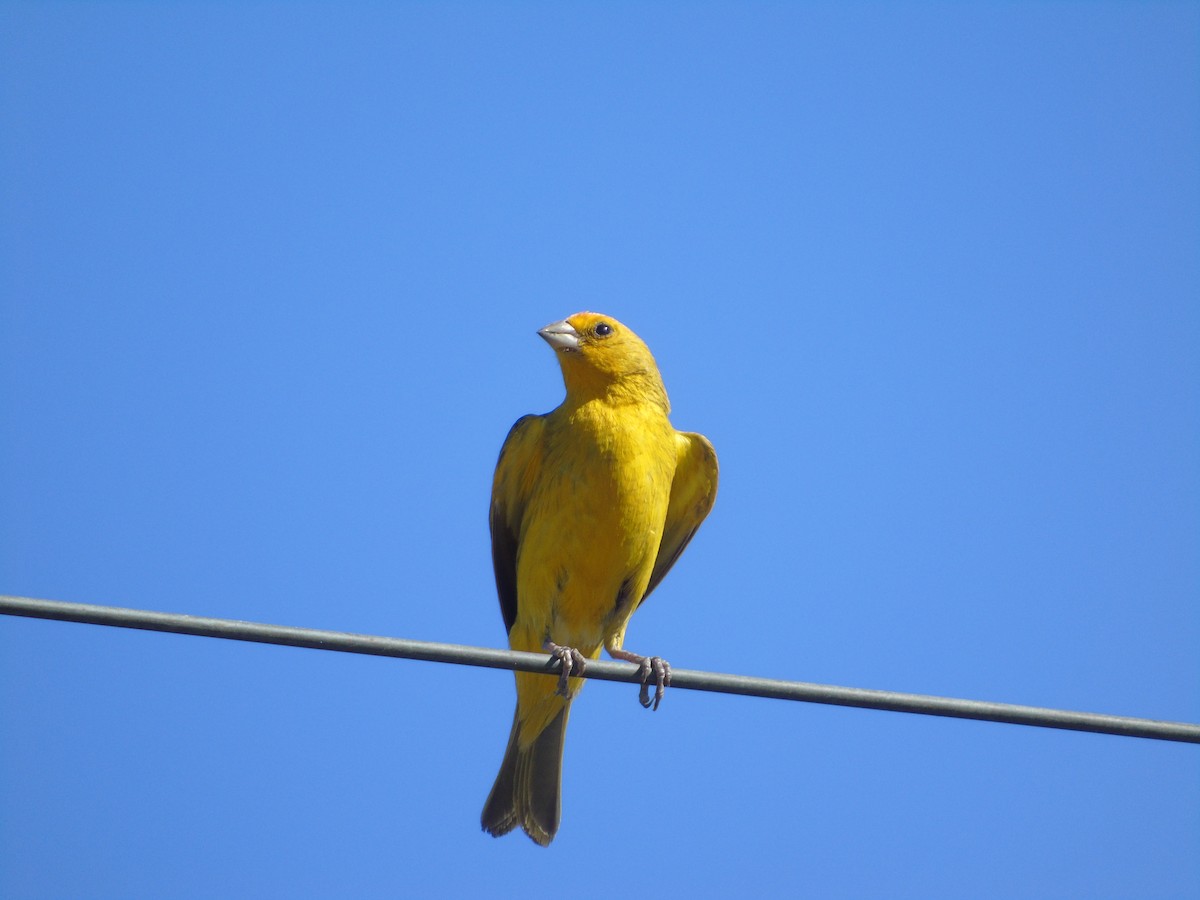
{"x": 561, "y": 336}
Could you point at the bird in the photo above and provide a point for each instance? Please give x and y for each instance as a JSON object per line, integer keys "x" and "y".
{"x": 592, "y": 503}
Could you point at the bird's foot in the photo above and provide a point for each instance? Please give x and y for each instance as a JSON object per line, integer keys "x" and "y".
{"x": 573, "y": 664}
{"x": 648, "y": 666}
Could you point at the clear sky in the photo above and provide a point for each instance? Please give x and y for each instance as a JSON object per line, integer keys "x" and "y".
{"x": 927, "y": 275}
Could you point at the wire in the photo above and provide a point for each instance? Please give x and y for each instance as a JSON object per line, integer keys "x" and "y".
{"x": 604, "y": 670}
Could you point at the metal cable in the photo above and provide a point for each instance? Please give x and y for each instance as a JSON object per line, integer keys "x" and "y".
{"x": 604, "y": 670}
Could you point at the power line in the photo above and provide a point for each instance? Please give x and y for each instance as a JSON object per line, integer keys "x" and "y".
{"x": 603, "y": 670}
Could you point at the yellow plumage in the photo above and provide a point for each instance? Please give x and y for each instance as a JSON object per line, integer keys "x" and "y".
{"x": 591, "y": 505}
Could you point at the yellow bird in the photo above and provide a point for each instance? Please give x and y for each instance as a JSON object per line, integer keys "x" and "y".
{"x": 591, "y": 506}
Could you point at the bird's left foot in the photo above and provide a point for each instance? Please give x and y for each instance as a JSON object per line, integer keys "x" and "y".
{"x": 649, "y": 666}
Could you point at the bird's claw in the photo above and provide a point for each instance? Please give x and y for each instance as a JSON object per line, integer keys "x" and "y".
{"x": 573, "y": 665}
{"x": 661, "y": 670}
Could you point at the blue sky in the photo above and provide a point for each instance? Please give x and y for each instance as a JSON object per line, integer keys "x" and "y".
{"x": 927, "y": 275}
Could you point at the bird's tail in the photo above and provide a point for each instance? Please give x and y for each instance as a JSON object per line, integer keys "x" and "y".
{"x": 528, "y": 789}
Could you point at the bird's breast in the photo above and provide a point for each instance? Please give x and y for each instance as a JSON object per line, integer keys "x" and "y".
{"x": 593, "y": 527}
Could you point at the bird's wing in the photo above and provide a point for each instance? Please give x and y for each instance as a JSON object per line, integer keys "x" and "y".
{"x": 520, "y": 458}
{"x": 693, "y": 490}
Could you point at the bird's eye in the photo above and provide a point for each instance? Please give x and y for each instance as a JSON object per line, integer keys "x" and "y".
{"x": 603, "y": 329}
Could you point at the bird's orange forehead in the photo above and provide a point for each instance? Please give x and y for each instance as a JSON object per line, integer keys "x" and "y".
{"x": 584, "y": 322}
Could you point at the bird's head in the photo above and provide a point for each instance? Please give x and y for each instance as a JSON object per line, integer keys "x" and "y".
{"x": 600, "y": 357}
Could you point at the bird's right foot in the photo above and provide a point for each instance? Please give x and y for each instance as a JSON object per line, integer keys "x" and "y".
{"x": 573, "y": 664}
